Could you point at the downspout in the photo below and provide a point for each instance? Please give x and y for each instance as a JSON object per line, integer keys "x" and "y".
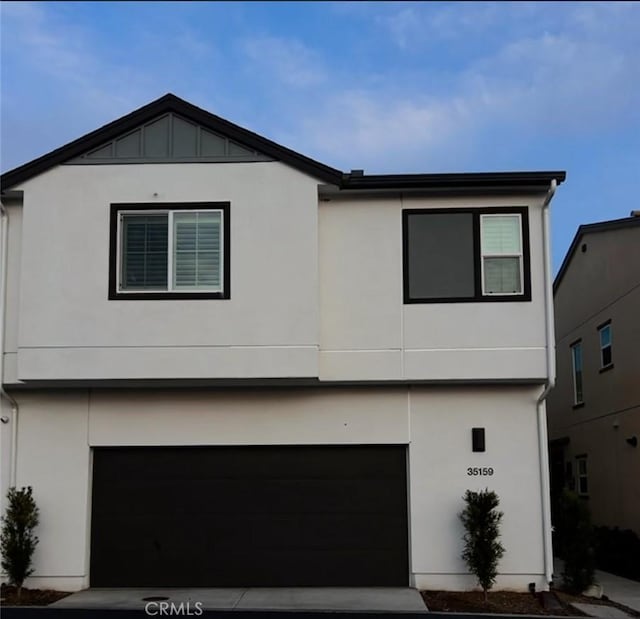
{"x": 4, "y": 235}
{"x": 545, "y": 485}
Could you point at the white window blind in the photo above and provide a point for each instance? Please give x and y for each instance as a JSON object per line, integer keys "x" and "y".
{"x": 501, "y": 244}
{"x": 197, "y": 250}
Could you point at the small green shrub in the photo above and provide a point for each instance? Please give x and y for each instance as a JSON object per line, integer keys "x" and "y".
{"x": 482, "y": 550}
{"x": 17, "y": 540}
{"x": 577, "y": 542}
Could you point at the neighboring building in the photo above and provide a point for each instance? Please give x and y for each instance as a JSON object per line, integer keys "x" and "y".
{"x": 594, "y": 410}
{"x": 234, "y": 365}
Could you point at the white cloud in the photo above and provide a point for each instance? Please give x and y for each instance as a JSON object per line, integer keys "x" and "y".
{"x": 286, "y": 60}
{"x": 573, "y": 82}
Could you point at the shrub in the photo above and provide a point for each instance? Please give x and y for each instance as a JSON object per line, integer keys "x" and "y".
{"x": 17, "y": 540}
{"x": 577, "y": 542}
{"x": 482, "y": 550}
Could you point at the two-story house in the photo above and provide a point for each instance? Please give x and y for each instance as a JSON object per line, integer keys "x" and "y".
{"x": 227, "y": 364}
{"x": 594, "y": 411}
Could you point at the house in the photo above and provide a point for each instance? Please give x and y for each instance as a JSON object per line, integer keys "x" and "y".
{"x": 594, "y": 410}
{"x": 228, "y": 364}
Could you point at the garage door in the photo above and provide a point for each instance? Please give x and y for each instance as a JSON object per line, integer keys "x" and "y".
{"x": 249, "y": 516}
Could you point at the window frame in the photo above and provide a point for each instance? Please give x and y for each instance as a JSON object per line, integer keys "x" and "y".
{"x": 572, "y": 347}
{"x": 479, "y": 295}
{"x": 600, "y": 329}
{"x": 582, "y": 475}
{"x": 519, "y": 255}
{"x": 115, "y": 250}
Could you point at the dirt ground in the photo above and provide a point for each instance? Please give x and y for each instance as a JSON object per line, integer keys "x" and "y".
{"x": 508, "y": 602}
{"x": 30, "y": 597}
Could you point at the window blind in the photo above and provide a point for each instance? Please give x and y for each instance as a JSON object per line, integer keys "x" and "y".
{"x": 144, "y": 257}
{"x": 197, "y": 250}
{"x": 501, "y": 234}
{"x": 501, "y": 251}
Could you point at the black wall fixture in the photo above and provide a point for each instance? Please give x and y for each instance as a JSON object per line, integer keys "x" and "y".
{"x": 477, "y": 439}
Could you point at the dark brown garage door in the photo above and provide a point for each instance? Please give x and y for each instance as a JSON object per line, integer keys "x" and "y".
{"x": 249, "y": 516}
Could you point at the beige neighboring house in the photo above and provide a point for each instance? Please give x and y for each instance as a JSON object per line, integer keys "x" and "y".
{"x": 594, "y": 410}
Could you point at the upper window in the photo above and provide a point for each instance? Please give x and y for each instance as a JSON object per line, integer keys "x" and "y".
{"x": 501, "y": 246}
{"x": 458, "y": 255}
{"x": 576, "y": 366}
{"x": 606, "y": 360}
{"x": 169, "y": 251}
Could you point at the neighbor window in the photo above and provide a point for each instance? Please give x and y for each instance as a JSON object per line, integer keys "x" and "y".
{"x": 581, "y": 470}
{"x": 606, "y": 359}
{"x": 169, "y": 251}
{"x": 576, "y": 364}
{"x": 466, "y": 255}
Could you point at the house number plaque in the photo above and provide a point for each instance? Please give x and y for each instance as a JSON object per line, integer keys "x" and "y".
{"x": 482, "y": 471}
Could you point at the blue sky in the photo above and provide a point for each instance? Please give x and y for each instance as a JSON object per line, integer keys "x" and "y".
{"x": 388, "y": 87}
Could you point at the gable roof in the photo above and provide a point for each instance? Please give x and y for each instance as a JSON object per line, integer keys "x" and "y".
{"x": 354, "y": 181}
{"x": 165, "y": 104}
{"x": 583, "y": 230}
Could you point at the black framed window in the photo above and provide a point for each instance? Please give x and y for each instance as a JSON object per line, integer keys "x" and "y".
{"x": 169, "y": 251}
{"x": 466, "y": 255}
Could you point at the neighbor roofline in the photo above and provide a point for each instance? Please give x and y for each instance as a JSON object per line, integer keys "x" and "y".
{"x": 584, "y": 229}
{"x": 445, "y": 180}
{"x": 165, "y": 104}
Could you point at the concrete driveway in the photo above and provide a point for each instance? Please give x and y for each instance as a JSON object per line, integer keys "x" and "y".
{"x": 377, "y": 599}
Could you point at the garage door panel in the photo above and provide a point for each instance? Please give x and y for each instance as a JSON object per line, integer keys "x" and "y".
{"x": 256, "y": 516}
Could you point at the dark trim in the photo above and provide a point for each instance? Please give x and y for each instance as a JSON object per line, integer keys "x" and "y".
{"x": 169, "y": 103}
{"x": 582, "y": 455}
{"x": 578, "y": 405}
{"x": 606, "y": 368}
{"x": 578, "y": 341}
{"x": 562, "y": 441}
{"x": 261, "y": 383}
{"x": 604, "y": 324}
{"x": 478, "y": 297}
{"x": 601, "y": 226}
{"x": 115, "y": 208}
{"x": 447, "y": 183}
{"x": 539, "y": 180}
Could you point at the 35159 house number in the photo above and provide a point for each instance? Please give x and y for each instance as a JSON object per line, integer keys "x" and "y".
{"x": 482, "y": 471}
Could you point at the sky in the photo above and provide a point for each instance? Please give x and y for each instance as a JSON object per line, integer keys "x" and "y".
{"x": 390, "y": 87}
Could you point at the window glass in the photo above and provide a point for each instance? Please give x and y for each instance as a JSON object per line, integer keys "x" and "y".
{"x": 197, "y": 250}
{"x": 501, "y": 234}
{"x": 144, "y": 260}
{"x": 440, "y": 255}
{"x": 605, "y": 346}
{"x": 576, "y": 356}
{"x": 501, "y": 254}
{"x": 188, "y": 259}
{"x": 583, "y": 480}
{"x": 502, "y": 275}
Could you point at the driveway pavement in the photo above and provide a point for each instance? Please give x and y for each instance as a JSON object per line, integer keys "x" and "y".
{"x": 378, "y": 599}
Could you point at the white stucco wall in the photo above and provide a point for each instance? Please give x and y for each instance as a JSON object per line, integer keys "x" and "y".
{"x": 439, "y": 455}
{"x": 268, "y": 328}
{"x": 57, "y": 431}
{"x": 367, "y": 333}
